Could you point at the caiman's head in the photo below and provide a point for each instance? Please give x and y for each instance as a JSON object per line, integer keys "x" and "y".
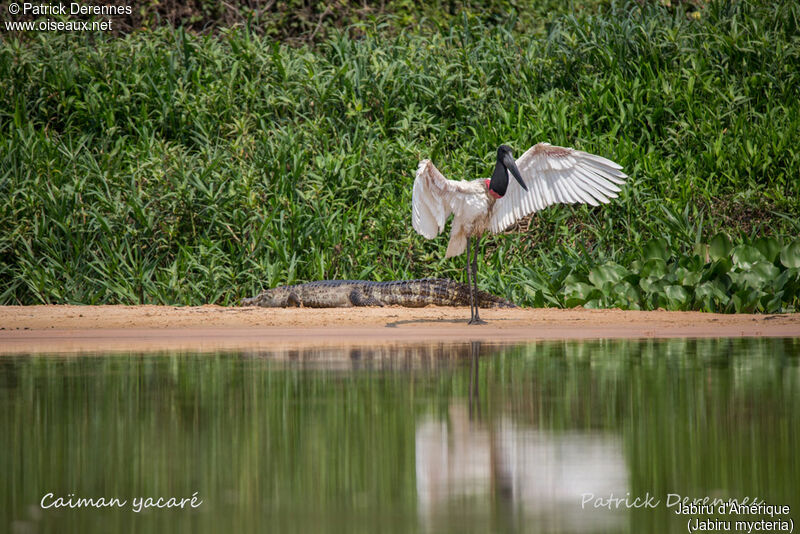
{"x": 278, "y": 297}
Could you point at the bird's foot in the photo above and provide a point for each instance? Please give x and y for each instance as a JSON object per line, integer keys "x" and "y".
{"x": 477, "y": 320}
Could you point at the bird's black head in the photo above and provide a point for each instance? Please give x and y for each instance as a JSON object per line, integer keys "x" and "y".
{"x": 505, "y": 164}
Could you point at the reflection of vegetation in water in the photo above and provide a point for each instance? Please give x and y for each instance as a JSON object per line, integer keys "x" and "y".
{"x": 292, "y": 441}
{"x": 713, "y": 417}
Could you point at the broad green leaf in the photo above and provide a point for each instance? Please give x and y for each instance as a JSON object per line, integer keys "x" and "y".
{"x": 656, "y": 249}
{"x": 578, "y": 290}
{"x": 626, "y": 291}
{"x": 701, "y": 251}
{"x": 574, "y": 278}
{"x": 716, "y": 269}
{"x": 691, "y": 262}
{"x": 712, "y": 289}
{"x": 654, "y": 267}
{"x": 781, "y": 280}
{"x": 607, "y": 273}
{"x": 691, "y": 278}
{"x": 720, "y": 246}
{"x": 790, "y": 255}
{"x": 670, "y": 277}
{"x": 712, "y": 295}
{"x": 772, "y": 303}
{"x": 759, "y": 276}
{"x": 656, "y": 301}
{"x": 769, "y": 247}
{"x": 764, "y": 272}
{"x": 556, "y": 278}
{"x": 677, "y": 297}
{"x": 593, "y": 304}
{"x": 577, "y": 293}
{"x": 633, "y": 279}
{"x": 653, "y": 284}
{"x": 738, "y": 280}
{"x": 535, "y": 295}
{"x": 791, "y": 288}
{"x": 746, "y": 300}
{"x": 626, "y": 296}
{"x": 744, "y": 256}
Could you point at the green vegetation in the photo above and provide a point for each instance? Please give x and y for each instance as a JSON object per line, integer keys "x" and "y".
{"x": 165, "y": 167}
{"x": 758, "y": 276}
{"x": 312, "y": 21}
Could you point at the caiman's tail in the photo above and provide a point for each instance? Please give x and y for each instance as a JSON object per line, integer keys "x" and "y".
{"x": 489, "y": 300}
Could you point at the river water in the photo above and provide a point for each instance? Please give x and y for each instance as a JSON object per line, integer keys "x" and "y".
{"x": 544, "y": 437}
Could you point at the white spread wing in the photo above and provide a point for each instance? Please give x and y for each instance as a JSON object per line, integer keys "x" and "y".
{"x": 554, "y": 174}
{"x": 433, "y": 199}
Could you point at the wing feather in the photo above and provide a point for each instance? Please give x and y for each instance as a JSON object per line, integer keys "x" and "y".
{"x": 608, "y": 189}
{"x": 564, "y": 192}
{"x": 556, "y": 175}
{"x": 432, "y": 199}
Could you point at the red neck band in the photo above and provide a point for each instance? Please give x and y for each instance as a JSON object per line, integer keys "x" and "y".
{"x": 491, "y": 191}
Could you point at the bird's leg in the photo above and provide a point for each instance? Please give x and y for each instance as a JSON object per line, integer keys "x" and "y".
{"x": 476, "y": 319}
{"x": 469, "y": 283}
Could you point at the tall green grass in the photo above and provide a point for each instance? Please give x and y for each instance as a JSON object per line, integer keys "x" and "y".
{"x": 171, "y": 168}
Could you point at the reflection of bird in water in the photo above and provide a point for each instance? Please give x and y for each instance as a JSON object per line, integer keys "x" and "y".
{"x": 502, "y": 468}
{"x": 510, "y": 469}
{"x": 474, "y": 393}
{"x": 544, "y": 174}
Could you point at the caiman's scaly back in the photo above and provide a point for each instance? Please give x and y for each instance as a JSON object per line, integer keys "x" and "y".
{"x": 346, "y": 293}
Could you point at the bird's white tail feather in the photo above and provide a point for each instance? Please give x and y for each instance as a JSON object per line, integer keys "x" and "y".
{"x": 457, "y": 245}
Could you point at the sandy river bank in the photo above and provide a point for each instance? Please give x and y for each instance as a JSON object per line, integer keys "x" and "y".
{"x": 37, "y": 329}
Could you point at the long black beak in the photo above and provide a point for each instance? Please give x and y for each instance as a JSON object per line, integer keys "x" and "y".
{"x": 508, "y": 162}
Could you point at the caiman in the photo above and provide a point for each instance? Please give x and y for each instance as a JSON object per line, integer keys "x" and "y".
{"x": 347, "y": 293}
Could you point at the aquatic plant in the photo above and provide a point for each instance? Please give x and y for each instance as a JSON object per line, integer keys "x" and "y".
{"x": 762, "y": 275}
{"x": 165, "y": 167}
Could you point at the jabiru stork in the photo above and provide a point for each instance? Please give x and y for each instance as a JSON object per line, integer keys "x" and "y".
{"x": 545, "y": 175}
